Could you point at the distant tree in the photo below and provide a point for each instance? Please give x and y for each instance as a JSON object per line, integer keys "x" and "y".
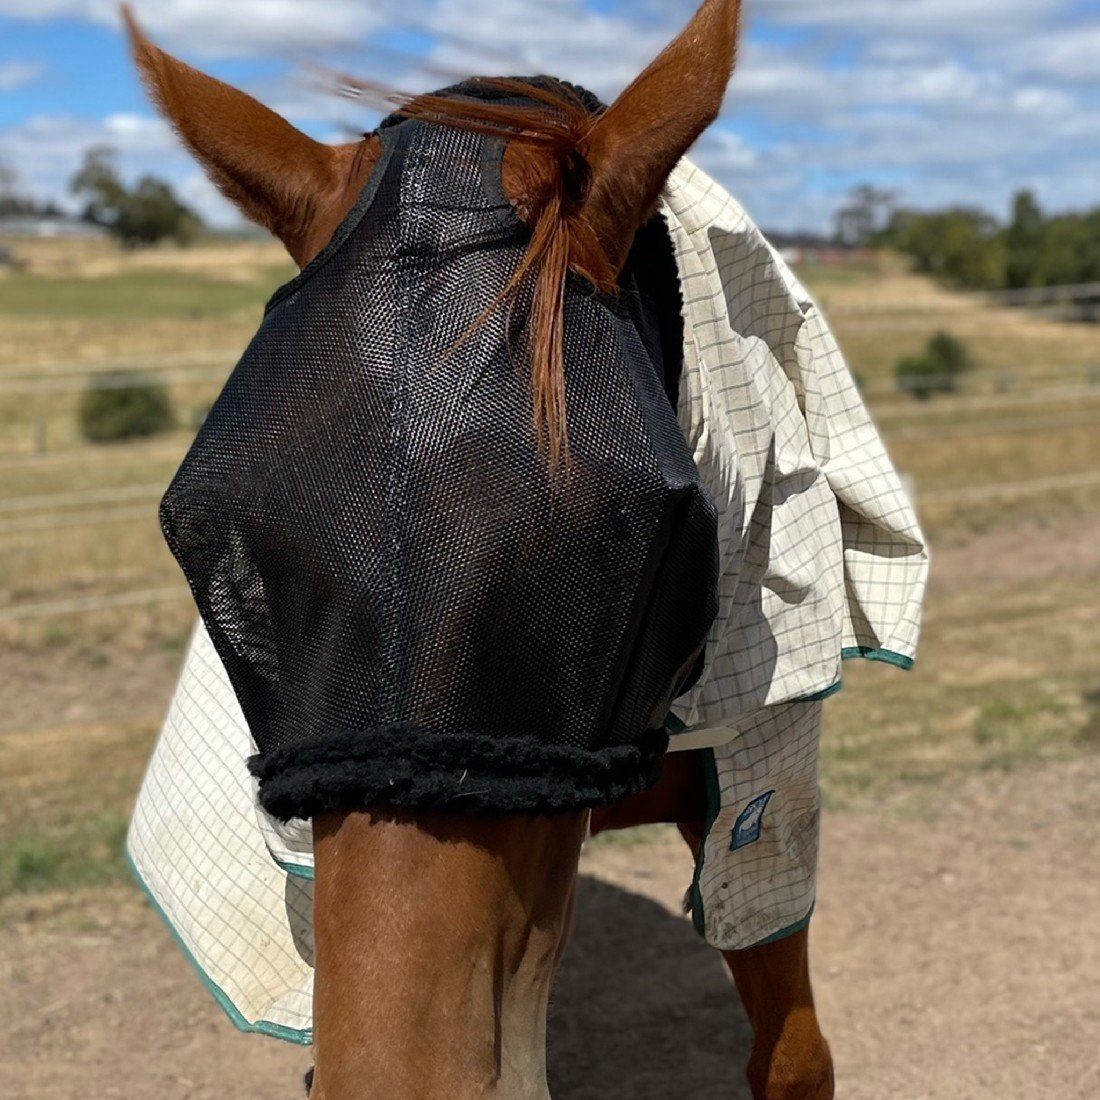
{"x": 152, "y": 213}
{"x": 917, "y": 376}
{"x": 12, "y": 201}
{"x": 1066, "y": 250}
{"x": 1024, "y": 242}
{"x": 938, "y": 369}
{"x": 1088, "y": 248}
{"x": 970, "y": 248}
{"x": 9, "y": 180}
{"x": 866, "y": 214}
{"x": 143, "y": 214}
{"x": 950, "y": 354}
{"x": 960, "y": 245}
{"x": 98, "y": 183}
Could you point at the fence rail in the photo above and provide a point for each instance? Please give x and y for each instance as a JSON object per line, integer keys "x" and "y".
{"x": 991, "y": 491}
{"x": 1068, "y": 384}
{"x": 1003, "y": 379}
{"x": 79, "y": 383}
{"x": 952, "y": 302}
{"x": 135, "y": 363}
{"x": 905, "y": 409}
{"x": 29, "y": 438}
{"x": 962, "y": 429}
{"x": 80, "y": 605}
{"x": 85, "y": 456}
{"x": 47, "y": 501}
{"x": 62, "y": 521}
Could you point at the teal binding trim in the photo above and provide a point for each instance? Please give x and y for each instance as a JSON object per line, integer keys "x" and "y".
{"x": 790, "y": 930}
{"x": 296, "y": 870}
{"x": 674, "y": 724}
{"x": 714, "y": 805}
{"x": 886, "y": 656}
{"x": 828, "y": 693}
{"x": 300, "y": 1037}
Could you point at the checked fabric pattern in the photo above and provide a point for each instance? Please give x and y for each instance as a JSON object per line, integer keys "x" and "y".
{"x": 197, "y": 846}
{"x": 821, "y": 552}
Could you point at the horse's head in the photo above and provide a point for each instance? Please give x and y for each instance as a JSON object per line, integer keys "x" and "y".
{"x": 585, "y": 182}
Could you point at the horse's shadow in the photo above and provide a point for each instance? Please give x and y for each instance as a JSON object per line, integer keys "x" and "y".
{"x": 642, "y": 1008}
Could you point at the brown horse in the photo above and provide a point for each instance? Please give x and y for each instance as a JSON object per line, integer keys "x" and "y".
{"x": 438, "y": 936}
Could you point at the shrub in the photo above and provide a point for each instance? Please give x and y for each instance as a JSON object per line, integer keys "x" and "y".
{"x": 936, "y": 370}
{"x": 124, "y": 406}
{"x": 950, "y": 353}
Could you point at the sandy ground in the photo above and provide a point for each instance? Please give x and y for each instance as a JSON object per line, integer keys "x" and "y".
{"x": 955, "y": 955}
{"x": 955, "y": 947}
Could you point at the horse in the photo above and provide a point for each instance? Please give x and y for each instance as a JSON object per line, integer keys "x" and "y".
{"x": 434, "y": 967}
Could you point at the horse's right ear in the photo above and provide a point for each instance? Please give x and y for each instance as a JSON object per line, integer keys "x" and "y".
{"x": 634, "y": 146}
{"x": 274, "y": 173}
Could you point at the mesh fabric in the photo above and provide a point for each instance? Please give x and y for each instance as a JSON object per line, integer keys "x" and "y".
{"x": 412, "y": 608}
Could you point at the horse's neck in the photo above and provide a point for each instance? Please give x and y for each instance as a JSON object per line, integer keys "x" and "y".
{"x": 437, "y": 941}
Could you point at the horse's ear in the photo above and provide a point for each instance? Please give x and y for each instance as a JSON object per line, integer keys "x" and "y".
{"x": 274, "y": 173}
{"x": 637, "y": 142}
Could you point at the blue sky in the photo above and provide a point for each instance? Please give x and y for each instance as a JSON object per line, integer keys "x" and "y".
{"x": 944, "y": 100}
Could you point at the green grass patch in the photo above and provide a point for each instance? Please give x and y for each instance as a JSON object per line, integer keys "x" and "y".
{"x": 892, "y": 746}
{"x": 81, "y": 854}
{"x": 136, "y": 296}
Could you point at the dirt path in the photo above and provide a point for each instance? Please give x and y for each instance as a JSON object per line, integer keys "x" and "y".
{"x": 956, "y": 959}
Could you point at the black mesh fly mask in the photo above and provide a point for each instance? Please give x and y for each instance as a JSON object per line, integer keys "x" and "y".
{"x": 413, "y": 608}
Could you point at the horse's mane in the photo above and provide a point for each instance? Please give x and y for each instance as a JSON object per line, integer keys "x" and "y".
{"x": 547, "y": 165}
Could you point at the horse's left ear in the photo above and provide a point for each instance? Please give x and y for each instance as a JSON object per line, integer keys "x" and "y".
{"x": 637, "y": 142}
{"x": 274, "y": 173}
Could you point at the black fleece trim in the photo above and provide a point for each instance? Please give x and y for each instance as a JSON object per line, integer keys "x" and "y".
{"x": 459, "y": 773}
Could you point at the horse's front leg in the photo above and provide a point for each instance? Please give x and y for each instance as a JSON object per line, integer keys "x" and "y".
{"x": 790, "y": 1057}
{"x": 437, "y": 941}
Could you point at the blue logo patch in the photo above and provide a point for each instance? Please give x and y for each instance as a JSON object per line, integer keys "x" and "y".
{"x": 751, "y": 822}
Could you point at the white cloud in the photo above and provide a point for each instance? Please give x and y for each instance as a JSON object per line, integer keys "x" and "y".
{"x": 51, "y": 136}
{"x": 940, "y": 18}
{"x": 602, "y": 51}
{"x": 196, "y": 190}
{"x": 1041, "y": 102}
{"x": 724, "y": 152}
{"x": 18, "y": 74}
{"x": 227, "y": 28}
{"x": 1071, "y": 53}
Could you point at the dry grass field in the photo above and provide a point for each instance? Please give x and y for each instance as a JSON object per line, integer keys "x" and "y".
{"x": 962, "y": 797}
